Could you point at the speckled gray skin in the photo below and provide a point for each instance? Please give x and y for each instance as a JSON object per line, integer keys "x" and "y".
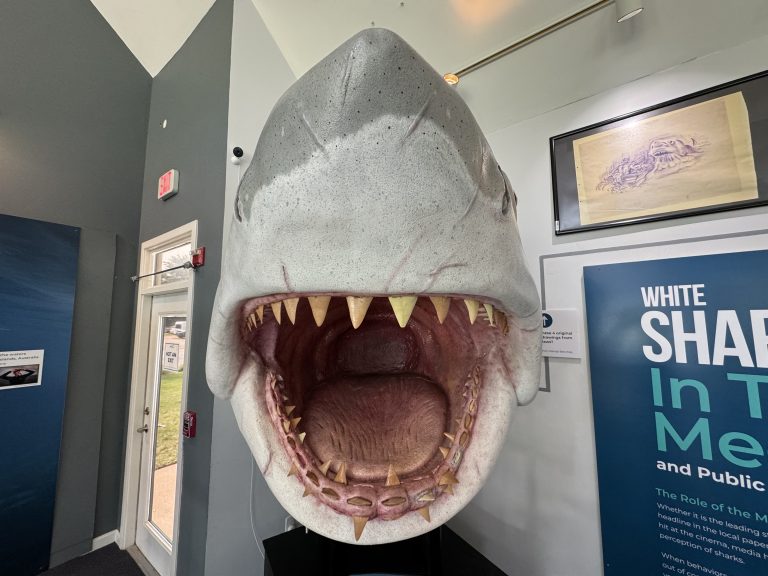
{"x": 372, "y": 177}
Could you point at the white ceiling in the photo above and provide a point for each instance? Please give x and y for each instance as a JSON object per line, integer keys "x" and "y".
{"x": 154, "y": 30}
{"x": 588, "y": 57}
{"x": 449, "y": 34}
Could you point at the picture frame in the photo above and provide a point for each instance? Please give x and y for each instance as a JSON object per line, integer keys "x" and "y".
{"x": 701, "y": 153}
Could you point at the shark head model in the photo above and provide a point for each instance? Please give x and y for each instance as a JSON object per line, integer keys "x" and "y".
{"x": 375, "y": 325}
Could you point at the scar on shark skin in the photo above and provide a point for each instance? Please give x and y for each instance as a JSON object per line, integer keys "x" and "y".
{"x": 403, "y": 261}
{"x": 287, "y": 280}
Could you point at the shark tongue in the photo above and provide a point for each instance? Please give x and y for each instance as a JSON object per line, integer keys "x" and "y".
{"x": 371, "y": 421}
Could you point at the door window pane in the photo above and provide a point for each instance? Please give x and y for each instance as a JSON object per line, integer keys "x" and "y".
{"x": 171, "y": 258}
{"x": 166, "y": 421}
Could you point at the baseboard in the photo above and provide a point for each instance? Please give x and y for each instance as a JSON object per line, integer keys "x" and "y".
{"x": 105, "y": 540}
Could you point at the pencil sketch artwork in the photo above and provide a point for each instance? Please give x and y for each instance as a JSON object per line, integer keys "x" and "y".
{"x": 663, "y": 156}
{"x": 692, "y": 157}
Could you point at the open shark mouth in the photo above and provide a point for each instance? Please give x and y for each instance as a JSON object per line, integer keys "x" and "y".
{"x": 374, "y": 399}
{"x": 375, "y": 326}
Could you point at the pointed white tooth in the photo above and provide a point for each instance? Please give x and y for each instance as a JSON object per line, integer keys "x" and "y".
{"x": 472, "y": 307}
{"x": 290, "y": 307}
{"x": 358, "y": 306}
{"x": 319, "y": 306}
{"x": 392, "y": 479}
{"x": 341, "y": 475}
{"x": 260, "y": 313}
{"x": 501, "y": 321}
{"x": 252, "y": 318}
{"x": 360, "y": 523}
{"x": 424, "y": 513}
{"x": 489, "y": 311}
{"x": 447, "y": 479}
{"x": 277, "y": 309}
{"x": 441, "y": 304}
{"x": 403, "y": 306}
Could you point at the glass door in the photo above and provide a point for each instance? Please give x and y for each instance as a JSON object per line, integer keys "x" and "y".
{"x": 160, "y": 453}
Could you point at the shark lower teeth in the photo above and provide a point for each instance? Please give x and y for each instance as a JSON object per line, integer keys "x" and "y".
{"x": 402, "y": 306}
{"x": 390, "y": 499}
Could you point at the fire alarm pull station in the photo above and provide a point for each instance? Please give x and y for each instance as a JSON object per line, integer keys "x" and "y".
{"x": 198, "y": 257}
{"x": 189, "y": 424}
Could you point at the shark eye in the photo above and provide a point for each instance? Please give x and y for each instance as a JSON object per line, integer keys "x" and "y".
{"x": 505, "y": 202}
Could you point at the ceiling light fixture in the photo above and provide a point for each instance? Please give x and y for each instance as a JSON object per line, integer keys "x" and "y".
{"x": 451, "y": 79}
{"x": 626, "y": 9}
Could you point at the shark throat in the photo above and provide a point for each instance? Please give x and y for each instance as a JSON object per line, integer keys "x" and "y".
{"x": 373, "y": 399}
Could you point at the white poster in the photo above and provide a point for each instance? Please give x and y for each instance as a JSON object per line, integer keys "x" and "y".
{"x": 171, "y": 356}
{"x": 561, "y": 337}
{"x": 19, "y": 368}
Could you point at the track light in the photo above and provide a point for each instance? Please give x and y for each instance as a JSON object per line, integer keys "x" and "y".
{"x": 626, "y": 9}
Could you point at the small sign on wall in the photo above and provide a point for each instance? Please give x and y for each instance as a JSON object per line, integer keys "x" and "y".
{"x": 561, "y": 337}
{"x": 171, "y": 356}
{"x": 168, "y": 185}
{"x": 20, "y": 368}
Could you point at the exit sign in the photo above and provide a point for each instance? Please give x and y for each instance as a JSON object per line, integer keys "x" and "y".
{"x": 168, "y": 185}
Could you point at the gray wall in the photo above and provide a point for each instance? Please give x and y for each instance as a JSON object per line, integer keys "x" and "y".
{"x": 192, "y": 94}
{"x": 73, "y": 118}
{"x": 259, "y": 76}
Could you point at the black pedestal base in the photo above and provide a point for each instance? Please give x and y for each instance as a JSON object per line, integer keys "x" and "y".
{"x": 437, "y": 553}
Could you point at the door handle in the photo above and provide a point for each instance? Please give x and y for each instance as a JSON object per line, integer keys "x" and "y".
{"x": 143, "y": 429}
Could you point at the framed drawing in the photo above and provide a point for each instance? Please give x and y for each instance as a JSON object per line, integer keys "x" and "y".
{"x": 705, "y": 152}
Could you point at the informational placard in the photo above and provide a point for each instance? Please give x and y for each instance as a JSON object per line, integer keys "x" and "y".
{"x": 171, "y": 356}
{"x": 678, "y": 353}
{"x": 561, "y": 335}
{"x": 39, "y": 265}
{"x": 20, "y": 368}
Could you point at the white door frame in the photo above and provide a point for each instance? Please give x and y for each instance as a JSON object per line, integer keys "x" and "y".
{"x": 141, "y": 341}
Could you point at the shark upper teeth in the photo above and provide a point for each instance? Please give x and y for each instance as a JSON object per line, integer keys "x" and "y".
{"x": 319, "y": 305}
{"x": 402, "y": 307}
{"x": 358, "y": 307}
{"x": 441, "y": 304}
{"x": 472, "y": 307}
{"x": 277, "y": 310}
{"x": 290, "y": 307}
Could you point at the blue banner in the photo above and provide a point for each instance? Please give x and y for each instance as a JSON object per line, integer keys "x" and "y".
{"x": 678, "y": 353}
{"x": 38, "y": 263}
